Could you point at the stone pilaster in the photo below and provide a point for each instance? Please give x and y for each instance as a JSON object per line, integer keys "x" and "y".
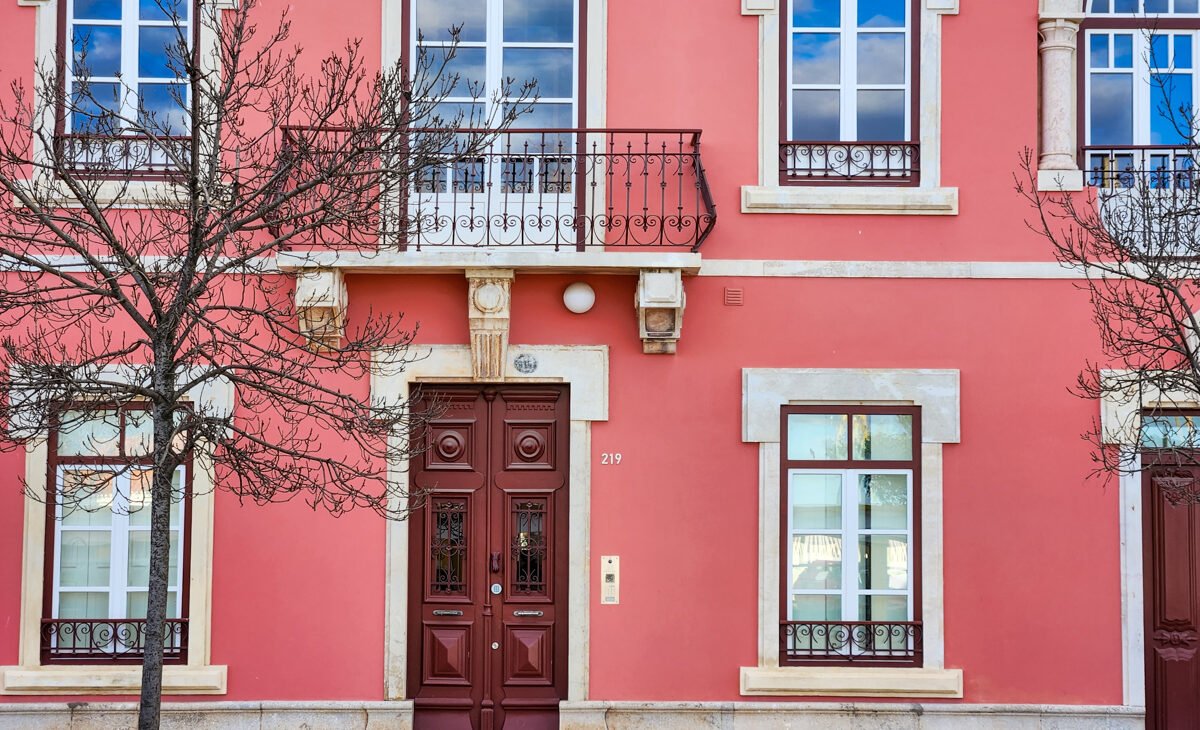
{"x": 321, "y": 302}
{"x": 489, "y": 307}
{"x": 1058, "y": 32}
{"x": 660, "y": 302}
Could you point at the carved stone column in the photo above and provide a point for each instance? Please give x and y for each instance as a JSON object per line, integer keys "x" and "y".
{"x": 1058, "y": 31}
{"x": 489, "y": 307}
{"x": 321, "y": 302}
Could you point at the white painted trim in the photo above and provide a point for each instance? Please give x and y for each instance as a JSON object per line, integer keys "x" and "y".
{"x": 1121, "y": 411}
{"x": 851, "y": 682}
{"x": 452, "y": 260}
{"x": 764, "y": 392}
{"x": 791, "y": 268}
{"x": 585, "y": 368}
{"x": 849, "y": 200}
{"x": 770, "y": 196}
{"x": 1133, "y": 642}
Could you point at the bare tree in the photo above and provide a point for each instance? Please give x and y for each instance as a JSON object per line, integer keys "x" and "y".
{"x": 1134, "y": 237}
{"x": 138, "y": 238}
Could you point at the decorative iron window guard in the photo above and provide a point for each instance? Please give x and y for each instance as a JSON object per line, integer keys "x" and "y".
{"x": 1157, "y": 167}
{"x": 850, "y": 163}
{"x": 108, "y": 640}
{"x": 851, "y": 642}
{"x": 565, "y": 189}
{"x": 101, "y": 156}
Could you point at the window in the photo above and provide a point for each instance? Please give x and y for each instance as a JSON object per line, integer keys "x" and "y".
{"x": 125, "y": 82}
{"x": 1139, "y": 90}
{"x": 848, "y": 111}
{"x": 95, "y": 602}
{"x": 849, "y": 584}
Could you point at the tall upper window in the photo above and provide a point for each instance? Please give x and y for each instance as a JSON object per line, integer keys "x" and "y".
{"x": 99, "y": 560}
{"x": 1140, "y": 86}
{"x": 848, "y": 96}
{"x": 124, "y": 76}
{"x": 851, "y": 486}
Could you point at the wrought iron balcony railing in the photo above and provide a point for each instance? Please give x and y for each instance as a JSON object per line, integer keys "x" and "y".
{"x": 850, "y": 163}
{"x": 1154, "y": 167}
{"x": 110, "y": 640}
{"x": 121, "y": 156}
{"x": 851, "y": 642}
{"x": 559, "y": 189}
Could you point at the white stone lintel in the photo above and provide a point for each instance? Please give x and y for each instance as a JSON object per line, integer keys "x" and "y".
{"x": 458, "y": 261}
{"x": 758, "y": 7}
{"x": 848, "y": 200}
{"x": 851, "y": 682}
{"x": 1061, "y": 10}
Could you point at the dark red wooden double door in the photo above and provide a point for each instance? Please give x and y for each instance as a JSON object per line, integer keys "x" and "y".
{"x": 1172, "y": 597}
{"x": 488, "y": 559}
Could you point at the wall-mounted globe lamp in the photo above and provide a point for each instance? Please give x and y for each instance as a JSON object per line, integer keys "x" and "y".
{"x": 579, "y": 297}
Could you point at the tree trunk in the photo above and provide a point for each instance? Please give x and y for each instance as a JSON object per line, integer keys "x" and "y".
{"x": 150, "y": 706}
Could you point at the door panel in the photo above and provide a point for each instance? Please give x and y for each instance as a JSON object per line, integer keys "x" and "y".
{"x": 1172, "y": 599}
{"x": 488, "y": 559}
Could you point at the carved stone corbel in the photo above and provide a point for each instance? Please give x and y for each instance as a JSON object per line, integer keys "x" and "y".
{"x": 660, "y": 302}
{"x": 321, "y": 303}
{"x": 489, "y": 307}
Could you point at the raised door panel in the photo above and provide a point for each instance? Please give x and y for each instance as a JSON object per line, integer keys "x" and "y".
{"x": 529, "y": 655}
{"x": 447, "y": 654}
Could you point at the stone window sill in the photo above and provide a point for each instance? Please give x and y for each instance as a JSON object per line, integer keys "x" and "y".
{"x": 849, "y": 200}
{"x": 851, "y": 682}
{"x": 115, "y": 193}
{"x": 1059, "y": 181}
{"x": 109, "y": 680}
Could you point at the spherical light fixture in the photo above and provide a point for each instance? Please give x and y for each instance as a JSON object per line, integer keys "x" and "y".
{"x": 579, "y": 297}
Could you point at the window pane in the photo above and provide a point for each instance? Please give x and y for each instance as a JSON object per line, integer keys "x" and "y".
{"x": 139, "y": 497}
{"x": 816, "y": 608}
{"x": 881, "y": 13}
{"x": 97, "y": 50}
{"x": 139, "y": 559}
{"x": 816, "y": 437}
{"x": 98, "y": 9}
{"x": 551, "y": 67}
{"x": 84, "y": 557}
{"x": 161, "y": 107}
{"x": 1112, "y": 109}
{"x": 883, "y": 608}
{"x": 1123, "y": 51}
{"x": 883, "y": 437}
{"x": 86, "y": 498}
{"x": 89, "y": 433}
{"x": 816, "y": 116}
{"x": 1187, "y": 6}
{"x": 883, "y": 562}
{"x": 1183, "y": 51}
{"x": 816, "y": 501}
{"x": 881, "y": 115}
{"x": 539, "y": 21}
{"x": 1160, "y": 51}
{"x": 456, "y": 114}
{"x": 94, "y": 113}
{"x": 1170, "y": 431}
{"x": 817, "y": 13}
{"x": 1099, "y": 50}
{"x": 883, "y": 501}
{"x": 1125, "y": 6}
{"x": 817, "y": 562}
{"x": 1170, "y": 108}
{"x": 881, "y": 58}
{"x": 162, "y": 9}
{"x": 1156, "y": 6}
{"x": 816, "y": 58}
{"x": 83, "y": 605}
{"x": 135, "y": 605}
{"x": 1101, "y": 6}
{"x": 436, "y": 17}
{"x": 139, "y": 432}
{"x": 159, "y": 54}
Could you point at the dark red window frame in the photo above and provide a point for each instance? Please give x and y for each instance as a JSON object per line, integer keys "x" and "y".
{"x": 914, "y": 628}
{"x": 911, "y": 146}
{"x": 54, "y": 461}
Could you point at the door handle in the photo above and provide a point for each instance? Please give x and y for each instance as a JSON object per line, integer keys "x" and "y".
{"x": 528, "y": 613}
{"x": 495, "y": 562}
{"x": 447, "y": 613}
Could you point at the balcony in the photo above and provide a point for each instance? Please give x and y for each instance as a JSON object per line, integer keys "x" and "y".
{"x": 115, "y": 641}
{"x": 121, "y": 157}
{"x": 861, "y": 643}
{"x": 546, "y": 190}
{"x": 1138, "y": 167}
{"x": 850, "y": 163}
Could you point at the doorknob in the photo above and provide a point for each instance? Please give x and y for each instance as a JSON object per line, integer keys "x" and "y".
{"x": 495, "y": 562}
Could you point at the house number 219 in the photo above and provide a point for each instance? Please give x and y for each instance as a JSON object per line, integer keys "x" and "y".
{"x": 609, "y": 459}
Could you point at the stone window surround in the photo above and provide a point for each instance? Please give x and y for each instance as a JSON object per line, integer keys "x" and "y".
{"x": 196, "y": 677}
{"x": 585, "y": 369}
{"x": 129, "y": 193}
{"x": 764, "y": 392}
{"x": 768, "y": 196}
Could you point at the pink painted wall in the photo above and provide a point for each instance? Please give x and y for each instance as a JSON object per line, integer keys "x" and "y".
{"x": 1031, "y": 566}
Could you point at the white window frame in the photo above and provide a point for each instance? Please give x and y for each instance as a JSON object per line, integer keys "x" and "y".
{"x": 849, "y": 85}
{"x": 850, "y": 532}
{"x": 929, "y": 197}
{"x": 764, "y": 392}
{"x": 130, "y": 82}
{"x": 1141, "y": 11}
